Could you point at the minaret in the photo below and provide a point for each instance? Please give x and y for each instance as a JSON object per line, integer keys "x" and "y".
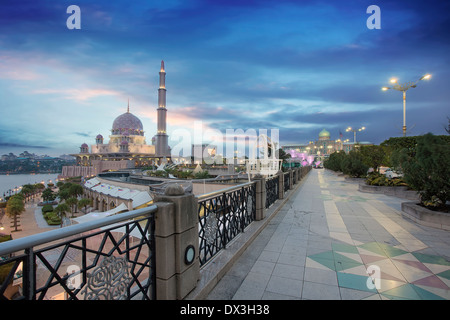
{"x": 162, "y": 146}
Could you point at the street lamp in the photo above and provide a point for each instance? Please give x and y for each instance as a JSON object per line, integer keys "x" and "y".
{"x": 354, "y": 132}
{"x": 403, "y": 88}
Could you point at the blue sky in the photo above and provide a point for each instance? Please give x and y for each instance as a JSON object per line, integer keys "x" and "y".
{"x": 296, "y": 66}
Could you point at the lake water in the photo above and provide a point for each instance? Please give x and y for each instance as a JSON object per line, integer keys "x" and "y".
{"x": 12, "y": 181}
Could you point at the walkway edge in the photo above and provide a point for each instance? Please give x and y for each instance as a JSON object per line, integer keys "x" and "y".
{"x": 215, "y": 269}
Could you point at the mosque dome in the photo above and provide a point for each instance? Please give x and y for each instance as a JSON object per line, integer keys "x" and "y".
{"x": 324, "y": 133}
{"x": 127, "y": 122}
{"x": 84, "y": 145}
{"x": 99, "y": 136}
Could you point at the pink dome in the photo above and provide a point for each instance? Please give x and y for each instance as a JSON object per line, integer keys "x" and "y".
{"x": 84, "y": 145}
{"x": 99, "y": 136}
{"x": 127, "y": 121}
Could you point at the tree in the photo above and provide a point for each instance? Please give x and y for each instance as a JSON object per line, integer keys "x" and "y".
{"x": 84, "y": 202}
{"x": 334, "y": 161}
{"x": 72, "y": 203}
{"x": 61, "y": 209}
{"x": 447, "y": 129}
{"x": 374, "y": 156}
{"x": 39, "y": 187}
{"x": 14, "y": 208}
{"x": 64, "y": 194}
{"x": 429, "y": 170}
{"x": 75, "y": 190}
{"x": 353, "y": 165}
{"x": 48, "y": 195}
{"x": 27, "y": 190}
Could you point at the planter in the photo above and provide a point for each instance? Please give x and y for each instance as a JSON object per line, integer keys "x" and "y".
{"x": 351, "y": 179}
{"x": 426, "y": 217}
{"x": 398, "y": 191}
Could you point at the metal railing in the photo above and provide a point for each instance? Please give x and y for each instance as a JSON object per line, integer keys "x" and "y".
{"x": 109, "y": 258}
{"x": 287, "y": 181}
{"x": 222, "y": 216}
{"x": 272, "y": 192}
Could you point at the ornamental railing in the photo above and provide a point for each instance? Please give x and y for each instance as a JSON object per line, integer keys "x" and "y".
{"x": 222, "y": 216}
{"x": 272, "y": 193}
{"x": 107, "y": 259}
{"x": 287, "y": 181}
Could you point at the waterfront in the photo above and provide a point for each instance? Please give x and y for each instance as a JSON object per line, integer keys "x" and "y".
{"x": 9, "y": 182}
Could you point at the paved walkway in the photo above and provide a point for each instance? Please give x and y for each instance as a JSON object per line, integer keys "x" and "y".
{"x": 326, "y": 239}
{"x": 31, "y": 221}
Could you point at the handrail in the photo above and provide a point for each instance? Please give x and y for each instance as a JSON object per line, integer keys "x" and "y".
{"x": 52, "y": 235}
{"x": 225, "y": 190}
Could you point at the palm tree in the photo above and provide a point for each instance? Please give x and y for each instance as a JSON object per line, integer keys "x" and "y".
{"x": 61, "y": 209}
{"x": 84, "y": 203}
{"x": 14, "y": 208}
{"x": 48, "y": 195}
{"x": 75, "y": 190}
{"x": 72, "y": 202}
{"x": 27, "y": 190}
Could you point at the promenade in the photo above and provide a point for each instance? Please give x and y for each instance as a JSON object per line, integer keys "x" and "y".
{"x": 326, "y": 238}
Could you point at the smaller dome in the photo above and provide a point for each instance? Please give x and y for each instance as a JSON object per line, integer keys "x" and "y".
{"x": 324, "y": 133}
{"x": 99, "y": 136}
{"x": 124, "y": 142}
{"x": 84, "y": 145}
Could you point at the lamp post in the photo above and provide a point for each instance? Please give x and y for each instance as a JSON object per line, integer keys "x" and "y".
{"x": 354, "y": 132}
{"x": 403, "y": 88}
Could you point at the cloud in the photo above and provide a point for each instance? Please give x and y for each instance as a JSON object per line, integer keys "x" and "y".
{"x": 78, "y": 94}
{"x": 18, "y": 145}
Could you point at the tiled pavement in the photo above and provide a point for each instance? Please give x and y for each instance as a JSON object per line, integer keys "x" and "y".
{"x": 326, "y": 239}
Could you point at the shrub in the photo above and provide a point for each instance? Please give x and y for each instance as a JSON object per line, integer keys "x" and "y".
{"x": 47, "y": 208}
{"x": 378, "y": 179}
{"x": 353, "y": 165}
{"x": 201, "y": 175}
{"x": 334, "y": 162}
{"x": 52, "y": 218}
{"x": 428, "y": 171}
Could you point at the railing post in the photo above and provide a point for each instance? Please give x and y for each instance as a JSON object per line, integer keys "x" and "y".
{"x": 260, "y": 197}
{"x": 291, "y": 179}
{"x": 29, "y": 275}
{"x": 176, "y": 237}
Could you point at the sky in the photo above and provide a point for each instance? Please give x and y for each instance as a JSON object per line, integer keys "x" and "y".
{"x": 293, "y": 66}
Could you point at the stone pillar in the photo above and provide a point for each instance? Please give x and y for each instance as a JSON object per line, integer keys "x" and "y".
{"x": 291, "y": 179}
{"x": 280, "y": 175}
{"x": 260, "y": 197}
{"x": 130, "y": 204}
{"x": 176, "y": 237}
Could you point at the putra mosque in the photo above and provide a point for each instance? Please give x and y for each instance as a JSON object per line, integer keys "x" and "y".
{"x": 127, "y": 146}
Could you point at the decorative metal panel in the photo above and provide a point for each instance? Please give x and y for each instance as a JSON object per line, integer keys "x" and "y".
{"x": 117, "y": 262}
{"x": 222, "y": 218}
{"x": 108, "y": 281}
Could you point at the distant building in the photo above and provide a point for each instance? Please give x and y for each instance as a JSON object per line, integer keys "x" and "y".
{"x": 127, "y": 147}
{"x": 322, "y": 147}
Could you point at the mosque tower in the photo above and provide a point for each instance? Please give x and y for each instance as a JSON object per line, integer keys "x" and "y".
{"x": 162, "y": 146}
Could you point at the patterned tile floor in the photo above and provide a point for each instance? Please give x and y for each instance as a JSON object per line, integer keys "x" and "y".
{"x": 395, "y": 273}
{"x": 330, "y": 241}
